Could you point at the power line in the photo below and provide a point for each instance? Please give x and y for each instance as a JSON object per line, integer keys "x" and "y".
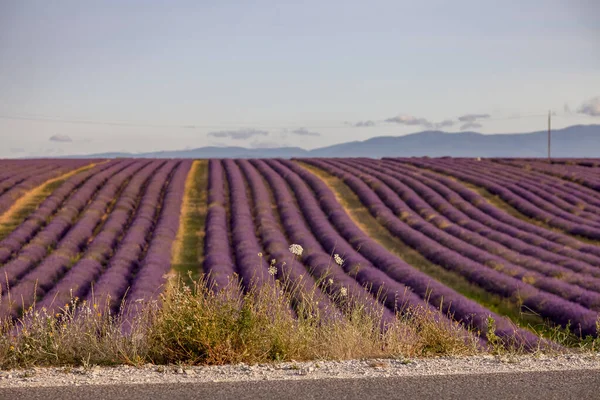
{"x": 37, "y": 118}
{"x": 155, "y": 125}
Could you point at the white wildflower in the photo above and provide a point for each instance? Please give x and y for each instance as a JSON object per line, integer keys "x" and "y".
{"x": 260, "y": 254}
{"x": 296, "y": 249}
{"x": 330, "y": 281}
{"x": 338, "y": 260}
{"x": 272, "y": 270}
{"x": 343, "y": 291}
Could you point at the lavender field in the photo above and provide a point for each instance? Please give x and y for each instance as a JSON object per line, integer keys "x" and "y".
{"x": 523, "y": 232}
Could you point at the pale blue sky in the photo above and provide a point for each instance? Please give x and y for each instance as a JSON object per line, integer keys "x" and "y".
{"x": 177, "y": 74}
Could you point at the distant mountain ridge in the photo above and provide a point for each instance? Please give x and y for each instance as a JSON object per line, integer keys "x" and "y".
{"x": 574, "y": 141}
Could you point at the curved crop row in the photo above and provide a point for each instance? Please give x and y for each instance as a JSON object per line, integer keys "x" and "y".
{"x": 346, "y": 278}
{"x": 413, "y": 202}
{"x": 550, "y": 306}
{"x": 526, "y": 208}
{"x": 573, "y": 198}
{"x": 467, "y": 311}
{"x": 42, "y": 277}
{"x": 533, "y": 192}
{"x": 149, "y": 280}
{"x": 275, "y": 242}
{"x": 523, "y": 202}
{"x": 40, "y": 217}
{"x": 218, "y": 260}
{"x": 14, "y": 187}
{"x": 448, "y": 201}
{"x": 78, "y": 280}
{"x": 252, "y": 272}
{"x": 115, "y": 279}
{"x": 45, "y": 240}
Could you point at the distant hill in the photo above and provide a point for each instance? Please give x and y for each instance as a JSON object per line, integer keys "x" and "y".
{"x": 574, "y": 141}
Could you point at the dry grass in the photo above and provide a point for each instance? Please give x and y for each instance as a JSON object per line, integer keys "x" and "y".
{"x": 194, "y": 325}
{"x": 202, "y": 327}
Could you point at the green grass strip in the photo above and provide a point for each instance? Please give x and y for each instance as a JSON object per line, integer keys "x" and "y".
{"x": 188, "y": 249}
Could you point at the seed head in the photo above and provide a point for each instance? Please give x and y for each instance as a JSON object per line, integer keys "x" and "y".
{"x": 272, "y": 270}
{"x": 296, "y": 249}
{"x": 338, "y": 260}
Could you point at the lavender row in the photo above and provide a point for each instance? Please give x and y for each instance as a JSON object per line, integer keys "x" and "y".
{"x": 218, "y": 260}
{"x": 555, "y": 242}
{"x": 11, "y": 168}
{"x": 8, "y": 198}
{"x": 498, "y": 214}
{"x": 417, "y": 203}
{"x": 151, "y": 277}
{"x": 43, "y": 276}
{"x": 34, "y": 252}
{"x": 386, "y": 273}
{"x": 580, "y": 196}
{"x": 548, "y": 192}
{"x": 113, "y": 282}
{"x": 39, "y": 218}
{"x": 319, "y": 261}
{"x": 560, "y": 311}
{"x": 440, "y": 296}
{"x": 277, "y": 244}
{"x": 77, "y": 281}
{"x": 538, "y": 199}
{"x": 523, "y": 203}
{"x": 466, "y": 215}
{"x": 252, "y": 272}
{"x": 582, "y": 175}
{"x": 23, "y": 175}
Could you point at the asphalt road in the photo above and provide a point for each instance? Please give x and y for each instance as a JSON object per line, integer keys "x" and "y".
{"x": 584, "y": 384}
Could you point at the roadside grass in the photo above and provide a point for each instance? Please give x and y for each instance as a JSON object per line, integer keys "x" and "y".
{"x": 188, "y": 248}
{"x": 199, "y": 326}
{"x": 191, "y": 324}
{"x": 29, "y": 202}
{"x": 375, "y": 230}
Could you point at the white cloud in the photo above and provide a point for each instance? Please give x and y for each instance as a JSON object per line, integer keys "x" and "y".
{"x": 473, "y": 117}
{"x": 590, "y": 107}
{"x": 364, "y": 124}
{"x": 240, "y": 134}
{"x": 304, "y": 132}
{"x": 60, "y": 138}
{"x": 408, "y": 120}
{"x": 414, "y": 121}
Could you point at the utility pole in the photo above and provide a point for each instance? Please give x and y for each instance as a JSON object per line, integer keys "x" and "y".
{"x": 549, "y": 133}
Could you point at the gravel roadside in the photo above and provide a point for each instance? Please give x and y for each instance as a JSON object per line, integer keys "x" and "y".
{"x": 94, "y": 375}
